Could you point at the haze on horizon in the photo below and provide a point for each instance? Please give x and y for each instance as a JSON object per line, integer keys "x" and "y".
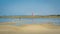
{"x": 26, "y": 7}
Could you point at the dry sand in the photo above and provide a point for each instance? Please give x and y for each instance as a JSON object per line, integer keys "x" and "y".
{"x": 30, "y": 29}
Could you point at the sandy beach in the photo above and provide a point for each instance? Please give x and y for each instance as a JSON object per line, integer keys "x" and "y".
{"x": 30, "y": 29}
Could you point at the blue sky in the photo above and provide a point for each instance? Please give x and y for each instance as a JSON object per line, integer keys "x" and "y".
{"x": 26, "y": 7}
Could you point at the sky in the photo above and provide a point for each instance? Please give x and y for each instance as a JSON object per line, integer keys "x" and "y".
{"x": 26, "y": 7}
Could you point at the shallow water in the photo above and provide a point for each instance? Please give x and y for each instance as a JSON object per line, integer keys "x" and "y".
{"x": 20, "y": 21}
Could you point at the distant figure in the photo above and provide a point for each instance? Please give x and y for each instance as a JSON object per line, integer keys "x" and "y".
{"x": 32, "y": 13}
{"x": 32, "y": 18}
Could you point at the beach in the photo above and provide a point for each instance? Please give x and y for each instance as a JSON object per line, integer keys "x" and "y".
{"x": 30, "y": 29}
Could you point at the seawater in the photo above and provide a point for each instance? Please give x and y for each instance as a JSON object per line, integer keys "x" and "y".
{"x": 21, "y": 21}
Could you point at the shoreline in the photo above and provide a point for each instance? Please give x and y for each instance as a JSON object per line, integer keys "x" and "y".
{"x": 29, "y": 16}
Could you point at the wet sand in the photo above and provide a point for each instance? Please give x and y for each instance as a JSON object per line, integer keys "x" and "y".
{"x": 30, "y": 29}
{"x": 7, "y": 23}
